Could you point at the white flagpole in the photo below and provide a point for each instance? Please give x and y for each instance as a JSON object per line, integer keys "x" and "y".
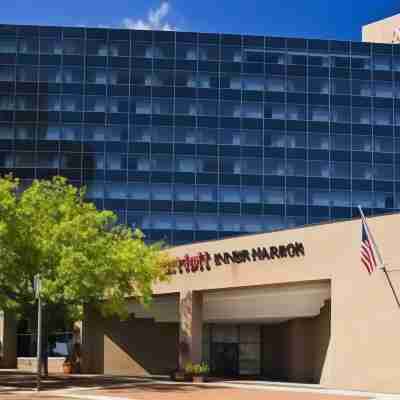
{"x": 383, "y": 267}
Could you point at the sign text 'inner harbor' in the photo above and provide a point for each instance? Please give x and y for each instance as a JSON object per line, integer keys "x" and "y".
{"x": 203, "y": 261}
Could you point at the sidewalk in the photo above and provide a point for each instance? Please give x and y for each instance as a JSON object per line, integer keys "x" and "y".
{"x": 20, "y": 386}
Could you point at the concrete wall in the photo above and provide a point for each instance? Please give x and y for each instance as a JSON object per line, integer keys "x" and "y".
{"x": 384, "y": 31}
{"x": 131, "y": 347}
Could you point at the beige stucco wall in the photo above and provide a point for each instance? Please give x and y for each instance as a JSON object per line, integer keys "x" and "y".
{"x": 295, "y": 350}
{"x": 382, "y": 31}
{"x": 131, "y": 347}
{"x": 363, "y": 352}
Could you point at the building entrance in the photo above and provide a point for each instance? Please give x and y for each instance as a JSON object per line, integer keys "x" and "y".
{"x": 225, "y": 359}
{"x": 232, "y": 350}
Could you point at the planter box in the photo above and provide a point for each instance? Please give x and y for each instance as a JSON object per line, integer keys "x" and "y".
{"x": 199, "y": 378}
{"x": 179, "y": 376}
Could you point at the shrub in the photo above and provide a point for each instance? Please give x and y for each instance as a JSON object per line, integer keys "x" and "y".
{"x": 197, "y": 369}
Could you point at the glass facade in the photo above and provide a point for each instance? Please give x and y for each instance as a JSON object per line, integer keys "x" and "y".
{"x": 195, "y": 136}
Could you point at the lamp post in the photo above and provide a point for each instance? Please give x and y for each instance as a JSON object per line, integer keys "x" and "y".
{"x": 37, "y": 287}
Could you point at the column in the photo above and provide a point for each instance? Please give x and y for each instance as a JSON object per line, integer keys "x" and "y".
{"x": 8, "y": 340}
{"x": 191, "y": 327}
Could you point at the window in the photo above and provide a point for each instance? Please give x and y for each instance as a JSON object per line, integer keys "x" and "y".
{"x": 185, "y": 164}
{"x": 50, "y": 46}
{"x": 143, "y": 106}
{"x": 295, "y": 196}
{"x": 251, "y": 166}
{"x": 72, "y": 46}
{"x": 186, "y": 135}
{"x": 7, "y": 73}
{"x": 184, "y": 193}
{"x": 95, "y": 133}
{"x": 186, "y": 107}
{"x": 296, "y": 84}
{"x": 275, "y": 84}
{"x": 96, "y": 103}
{"x": 318, "y": 85}
{"x": 119, "y": 49}
{"x": 231, "y": 166}
{"x": 119, "y": 77}
{"x": 28, "y": 46}
{"x": 207, "y": 193}
{"x": 230, "y": 224}
{"x": 319, "y": 141}
{"x": 161, "y": 163}
{"x": 71, "y": 132}
{"x": 23, "y": 132}
{"x": 273, "y": 195}
{"x": 383, "y": 116}
{"x": 207, "y": 223}
{"x": 138, "y": 191}
{"x": 162, "y": 106}
{"x": 296, "y": 168}
{"x": 25, "y": 102}
{"x": 8, "y": 46}
{"x": 361, "y": 88}
{"x": 340, "y": 170}
{"x": 229, "y": 194}
{"x": 232, "y": 54}
{"x": 320, "y": 169}
{"x": 6, "y": 102}
{"x": 340, "y": 86}
{"x": 230, "y": 109}
{"x": 296, "y": 112}
{"x": 97, "y": 48}
{"x": 361, "y": 115}
{"x": 71, "y": 103}
{"x": 382, "y": 62}
{"x": 274, "y": 166}
{"x": 6, "y": 132}
{"x": 252, "y": 110}
{"x": 161, "y": 192}
{"x": 72, "y": 75}
{"x": 24, "y": 160}
{"x": 383, "y": 89}
{"x": 253, "y": 83}
{"x": 118, "y": 105}
{"x": 340, "y": 114}
{"x": 251, "y": 195}
{"x": 186, "y": 51}
{"x": 362, "y": 171}
{"x": 274, "y": 111}
{"x": 50, "y": 75}
{"x": 97, "y": 76}
{"x": 115, "y": 190}
{"x": 318, "y": 113}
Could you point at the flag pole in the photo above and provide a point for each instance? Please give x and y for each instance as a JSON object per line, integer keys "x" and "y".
{"x": 383, "y": 266}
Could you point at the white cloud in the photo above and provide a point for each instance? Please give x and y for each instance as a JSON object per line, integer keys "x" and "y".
{"x": 156, "y": 19}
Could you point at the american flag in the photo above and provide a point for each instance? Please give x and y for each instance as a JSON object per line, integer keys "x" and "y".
{"x": 367, "y": 251}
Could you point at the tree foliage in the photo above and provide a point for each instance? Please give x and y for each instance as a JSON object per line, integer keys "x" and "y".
{"x": 83, "y": 257}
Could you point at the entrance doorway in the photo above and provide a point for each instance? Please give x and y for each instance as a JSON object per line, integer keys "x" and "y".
{"x": 225, "y": 359}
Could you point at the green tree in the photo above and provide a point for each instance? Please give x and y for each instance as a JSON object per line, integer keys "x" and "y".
{"x": 82, "y": 256}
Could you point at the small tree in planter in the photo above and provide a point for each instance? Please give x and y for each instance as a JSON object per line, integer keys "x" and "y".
{"x": 198, "y": 372}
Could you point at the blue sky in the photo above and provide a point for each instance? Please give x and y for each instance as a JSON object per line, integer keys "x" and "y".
{"x": 328, "y": 19}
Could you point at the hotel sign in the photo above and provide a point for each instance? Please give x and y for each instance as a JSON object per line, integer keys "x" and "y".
{"x": 204, "y": 261}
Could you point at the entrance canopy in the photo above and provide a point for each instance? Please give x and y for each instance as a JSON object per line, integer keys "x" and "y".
{"x": 252, "y": 304}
